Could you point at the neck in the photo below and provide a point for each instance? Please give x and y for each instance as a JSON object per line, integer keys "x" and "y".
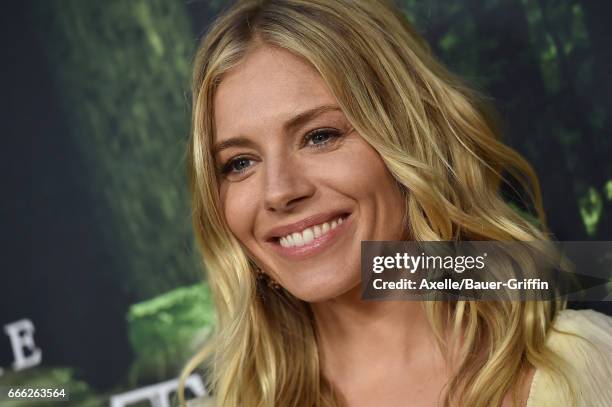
{"x": 355, "y": 335}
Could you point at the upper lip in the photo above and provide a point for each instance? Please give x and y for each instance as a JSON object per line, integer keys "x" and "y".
{"x": 281, "y": 231}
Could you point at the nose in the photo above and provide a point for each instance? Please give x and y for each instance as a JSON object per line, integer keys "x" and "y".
{"x": 286, "y": 185}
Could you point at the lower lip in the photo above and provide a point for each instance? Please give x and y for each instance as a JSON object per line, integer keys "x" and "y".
{"x": 316, "y": 246}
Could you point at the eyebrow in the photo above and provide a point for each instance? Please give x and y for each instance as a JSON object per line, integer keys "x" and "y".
{"x": 292, "y": 124}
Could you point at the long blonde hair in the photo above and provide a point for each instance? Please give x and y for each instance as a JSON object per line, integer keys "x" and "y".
{"x": 438, "y": 140}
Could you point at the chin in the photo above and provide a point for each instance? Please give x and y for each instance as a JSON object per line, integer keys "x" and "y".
{"x": 324, "y": 291}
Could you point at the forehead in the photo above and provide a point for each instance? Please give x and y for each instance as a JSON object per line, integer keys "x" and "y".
{"x": 269, "y": 86}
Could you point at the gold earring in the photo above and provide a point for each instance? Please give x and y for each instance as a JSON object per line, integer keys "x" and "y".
{"x": 273, "y": 284}
{"x": 261, "y": 275}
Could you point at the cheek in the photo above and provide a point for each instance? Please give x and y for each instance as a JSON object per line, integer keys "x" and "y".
{"x": 369, "y": 181}
{"x": 239, "y": 206}
{"x": 361, "y": 172}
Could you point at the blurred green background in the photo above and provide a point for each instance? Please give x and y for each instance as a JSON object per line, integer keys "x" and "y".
{"x": 98, "y": 250}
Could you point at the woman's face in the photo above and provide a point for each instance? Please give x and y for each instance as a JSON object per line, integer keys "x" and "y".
{"x": 300, "y": 189}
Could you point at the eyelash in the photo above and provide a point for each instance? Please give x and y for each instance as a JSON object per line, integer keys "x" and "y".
{"x": 333, "y": 133}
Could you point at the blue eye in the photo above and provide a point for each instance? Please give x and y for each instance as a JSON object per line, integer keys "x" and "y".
{"x": 237, "y": 165}
{"x": 321, "y": 137}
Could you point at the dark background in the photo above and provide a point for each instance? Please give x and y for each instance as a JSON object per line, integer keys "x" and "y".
{"x": 95, "y": 216}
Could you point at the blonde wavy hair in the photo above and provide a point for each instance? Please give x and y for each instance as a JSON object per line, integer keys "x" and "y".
{"x": 438, "y": 139}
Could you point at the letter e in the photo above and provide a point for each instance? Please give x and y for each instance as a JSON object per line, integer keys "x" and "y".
{"x": 21, "y": 334}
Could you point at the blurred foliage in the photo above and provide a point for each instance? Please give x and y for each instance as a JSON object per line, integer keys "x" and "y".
{"x": 591, "y": 207}
{"x": 122, "y": 68}
{"x": 167, "y": 330}
{"x": 546, "y": 65}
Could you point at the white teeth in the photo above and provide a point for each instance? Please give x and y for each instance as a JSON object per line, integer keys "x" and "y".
{"x": 297, "y": 239}
{"x": 309, "y": 234}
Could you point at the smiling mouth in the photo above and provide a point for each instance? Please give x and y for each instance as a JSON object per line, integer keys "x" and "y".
{"x": 309, "y": 234}
{"x": 311, "y": 240}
